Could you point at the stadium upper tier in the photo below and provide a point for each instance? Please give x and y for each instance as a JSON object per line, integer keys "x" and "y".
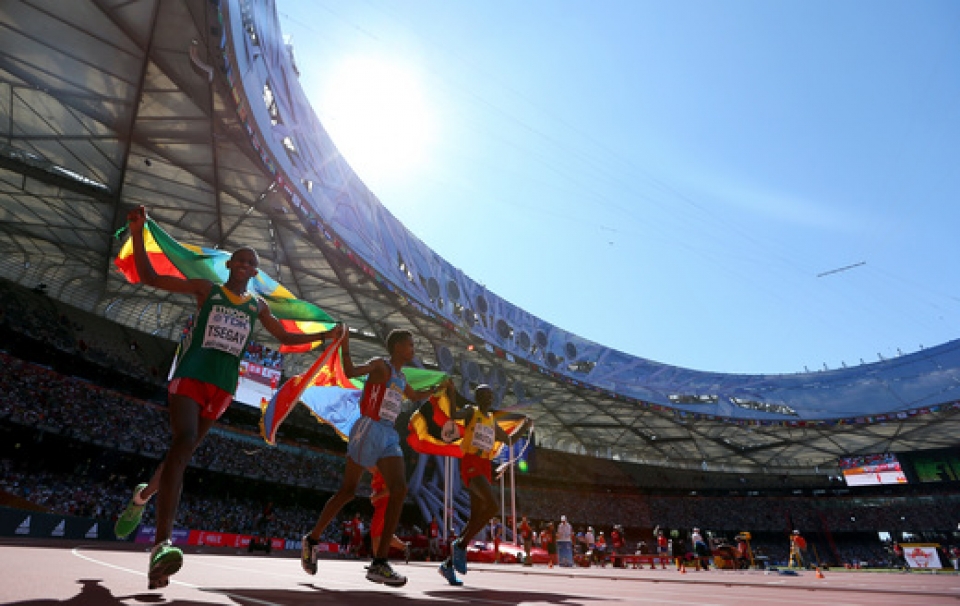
{"x": 194, "y": 109}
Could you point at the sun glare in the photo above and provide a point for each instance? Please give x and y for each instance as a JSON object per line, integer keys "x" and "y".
{"x": 378, "y": 118}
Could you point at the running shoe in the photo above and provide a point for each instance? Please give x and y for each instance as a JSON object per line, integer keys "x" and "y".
{"x": 158, "y": 583}
{"x": 165, "y": 560}
{"x": 131, "y": 516}
{"x": 459, "y": 557}
{"x": 447, "y": 572}
{"x": 381, "y": 572}
{"x": 308, "y": 555}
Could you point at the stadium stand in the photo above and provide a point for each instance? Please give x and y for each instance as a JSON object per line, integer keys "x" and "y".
{"x": 77, "y": 430}
{"x": 82, "y": 399}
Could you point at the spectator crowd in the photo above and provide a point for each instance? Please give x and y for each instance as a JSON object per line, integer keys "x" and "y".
{"x": 37, "y": 399}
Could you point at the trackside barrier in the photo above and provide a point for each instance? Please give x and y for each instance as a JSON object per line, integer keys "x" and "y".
{"x": 181, "y": 536}
{"x": 39, "y": 525}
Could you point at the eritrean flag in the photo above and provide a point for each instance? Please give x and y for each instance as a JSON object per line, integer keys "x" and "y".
{"x": 331, "y": 396}
{"x": 171, "y": 258}
{"x": 432, "y": 431}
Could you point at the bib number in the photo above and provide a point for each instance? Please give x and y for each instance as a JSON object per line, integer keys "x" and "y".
{"x": 390, "y": 406}
{"x": 483, "y": 437}
{"x": 226, "y": 330}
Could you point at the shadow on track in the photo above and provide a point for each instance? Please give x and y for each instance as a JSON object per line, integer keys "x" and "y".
{"x": 93, "y": 593}
{"x": 464, "y": 595}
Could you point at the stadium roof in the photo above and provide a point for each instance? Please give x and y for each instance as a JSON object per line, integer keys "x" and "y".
{"x": 193, "y": 108}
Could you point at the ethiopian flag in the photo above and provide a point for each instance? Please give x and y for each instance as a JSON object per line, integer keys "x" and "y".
{"x": 171, "y": 258}
{"x": 331, "y": 396}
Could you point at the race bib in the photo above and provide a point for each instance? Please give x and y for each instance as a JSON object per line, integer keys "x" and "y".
{"x": 227, "y": 330}
{"x": 483, "y": 437}
{"x": 390, "y": 406}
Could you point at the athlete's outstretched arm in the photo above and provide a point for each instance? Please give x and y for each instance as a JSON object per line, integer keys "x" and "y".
{"x": 136, "y": 219}
{"x": 376, "y": 370}
{"x": 276, "y": 328}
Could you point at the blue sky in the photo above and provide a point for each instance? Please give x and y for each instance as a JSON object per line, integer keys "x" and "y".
{"x": 668, "y": 178}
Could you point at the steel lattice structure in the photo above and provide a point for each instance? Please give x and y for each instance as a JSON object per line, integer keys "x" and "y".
{"x": 193, "y": 108}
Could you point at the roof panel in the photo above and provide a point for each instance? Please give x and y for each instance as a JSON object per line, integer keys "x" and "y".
{"x": 111, "y": 93}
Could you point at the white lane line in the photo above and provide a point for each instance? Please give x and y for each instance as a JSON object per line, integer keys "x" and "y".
{"x": 194, "y": 561}
{"x": 235, "y": 597}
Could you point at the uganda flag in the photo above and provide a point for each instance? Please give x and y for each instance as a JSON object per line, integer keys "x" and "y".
{"x": 432, "y": 431}
{"x": 171, "y": 258}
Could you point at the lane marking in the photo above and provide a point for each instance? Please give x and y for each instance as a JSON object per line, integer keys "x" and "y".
{"x": 76, "y": 551}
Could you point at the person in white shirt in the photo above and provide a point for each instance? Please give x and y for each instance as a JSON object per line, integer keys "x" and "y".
{"x": 565, "y": 542}
{"x": 700, "y": 549}
{"x": 591, "y": 542}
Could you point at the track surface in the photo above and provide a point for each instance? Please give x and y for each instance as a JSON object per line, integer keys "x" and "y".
{"x": 89, "y": 574}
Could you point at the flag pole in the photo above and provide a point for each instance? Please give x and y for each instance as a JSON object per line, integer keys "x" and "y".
{"x": 513, "y": 497}
{"x": 503, "y": 498}
{"x": 446, "y": 500}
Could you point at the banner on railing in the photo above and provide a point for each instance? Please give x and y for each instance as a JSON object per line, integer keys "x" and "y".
{"x": 921, "y": 555}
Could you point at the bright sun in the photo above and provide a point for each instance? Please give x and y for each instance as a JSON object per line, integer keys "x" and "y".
{"x": 379, "y": 119}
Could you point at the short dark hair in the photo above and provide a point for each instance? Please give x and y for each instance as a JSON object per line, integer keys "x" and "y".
{"x": 396, "y": 336}
{"x": 246, "y": 248}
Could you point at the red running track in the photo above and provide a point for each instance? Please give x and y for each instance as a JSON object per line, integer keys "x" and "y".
{"x": 45, "y": 573}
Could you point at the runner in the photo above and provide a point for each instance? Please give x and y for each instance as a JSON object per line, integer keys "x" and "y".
{"x": 204, "y": 382}
{"x": 481, "y": 433}
{"x": 374, "y": 443}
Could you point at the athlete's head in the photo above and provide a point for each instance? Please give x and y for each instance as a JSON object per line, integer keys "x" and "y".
{"x": 397, "y": 340}
{"x": 483, "y": 395}
{"x": 244, "y": 262}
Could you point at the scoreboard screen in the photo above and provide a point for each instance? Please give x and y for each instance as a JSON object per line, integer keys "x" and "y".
{"x": 872, "y": 470}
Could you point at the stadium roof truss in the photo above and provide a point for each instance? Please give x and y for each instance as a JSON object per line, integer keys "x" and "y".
{"x": 193, "y": 108}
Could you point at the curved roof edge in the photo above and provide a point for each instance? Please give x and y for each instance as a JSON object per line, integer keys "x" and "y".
{"x": 327, "y": 194}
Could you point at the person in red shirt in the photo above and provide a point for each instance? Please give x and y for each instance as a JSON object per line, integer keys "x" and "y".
{"x": 600, "y": 550}
{"x": 374, "y": 444}
{"x": 798, "y": 549}
{"x": 663, "y": 544}
{"x": 618, "y": 545}
{"x": 379, "y": 499}
{"x": 526, "y": 534}
{"x": 356, "y": 535}
{"x": 548, "y": 542}
{"x": 743, "y": 553}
